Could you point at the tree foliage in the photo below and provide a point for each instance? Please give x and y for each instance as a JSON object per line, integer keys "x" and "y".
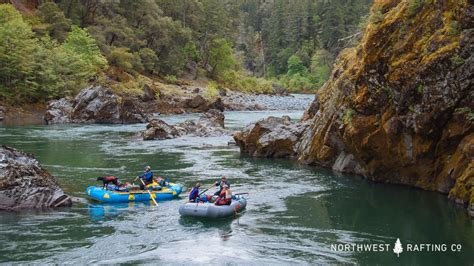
{"x": 33, "y": 69}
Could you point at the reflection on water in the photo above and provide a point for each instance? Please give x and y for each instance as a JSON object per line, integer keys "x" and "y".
{"x": 294, "y": 212}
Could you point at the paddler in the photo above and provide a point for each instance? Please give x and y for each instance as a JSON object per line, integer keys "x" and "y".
{"x": 194, "y": 194}
{"x": 225, "y": 197}
{"x": 147, "y": 177}
{"x": 220, "y": 184}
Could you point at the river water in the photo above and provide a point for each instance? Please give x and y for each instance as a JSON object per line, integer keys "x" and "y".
{"x": 295, "y": 213}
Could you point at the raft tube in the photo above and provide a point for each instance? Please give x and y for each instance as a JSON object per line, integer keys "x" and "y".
{"x": 104, "y": 195}
{"x": 210, "y": 210}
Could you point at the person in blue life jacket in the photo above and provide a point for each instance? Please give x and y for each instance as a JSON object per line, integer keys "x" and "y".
{"x": 147, "y": 177}
{"x": 194, "y": 194}
{"x": 220, "y": 184}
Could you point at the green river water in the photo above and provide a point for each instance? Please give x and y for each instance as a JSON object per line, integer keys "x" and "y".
{"x": 295, "y": 214}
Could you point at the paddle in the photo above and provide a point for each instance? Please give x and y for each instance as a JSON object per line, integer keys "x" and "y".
{"x": 151, "y": 196}
{"x": 213, "y": 185}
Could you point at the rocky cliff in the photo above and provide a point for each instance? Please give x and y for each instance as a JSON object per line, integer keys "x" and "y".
{"x": 399, "y": 107}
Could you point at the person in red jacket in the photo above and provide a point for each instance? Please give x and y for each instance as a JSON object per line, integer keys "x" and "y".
{"x": 225, "y": 196}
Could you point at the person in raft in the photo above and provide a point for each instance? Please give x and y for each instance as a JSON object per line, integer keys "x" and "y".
{"x": 147, "y": 177}
{"x": 194, "y": 194}
{"x": 225, "y": 197}
{"x": 220, "y": 184}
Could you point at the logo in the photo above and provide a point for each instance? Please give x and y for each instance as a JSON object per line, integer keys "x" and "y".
{"x": 398, "y": 247}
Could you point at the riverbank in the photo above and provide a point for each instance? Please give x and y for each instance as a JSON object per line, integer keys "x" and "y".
{"x": 150, "y": 101}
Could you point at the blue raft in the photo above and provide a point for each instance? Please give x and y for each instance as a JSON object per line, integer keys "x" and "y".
{"x": 104, "y": 195}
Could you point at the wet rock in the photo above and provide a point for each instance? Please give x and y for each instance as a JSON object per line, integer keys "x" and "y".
{"x": 346, "y": 163}
{"x": 96, "y": 105}
{"x": 59, "y": 112}
{"x": 212, "y": 118}
{"x": 25, "y": 184}
{"x": 196, "y": 90}
{"x": 270, "y": 137}
{"x": 159, "y": 129}
{"x": 210, "y": 123}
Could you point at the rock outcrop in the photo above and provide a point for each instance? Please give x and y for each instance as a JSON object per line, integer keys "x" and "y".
{"x": 399, "y": 107}
{"x": 95, "y": 104}
{"x": 210, "y": 123}
{"x": 25, "y": 184}
{"x": 270, "y": 137}
{"x": 59, "y": 111}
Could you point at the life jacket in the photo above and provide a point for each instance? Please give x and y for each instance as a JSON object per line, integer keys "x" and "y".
{"x": 148, "y": 176}
{"x": 194, "y": 193}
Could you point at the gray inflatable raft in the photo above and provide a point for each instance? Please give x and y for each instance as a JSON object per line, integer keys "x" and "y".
{"x": 209, "y": 210}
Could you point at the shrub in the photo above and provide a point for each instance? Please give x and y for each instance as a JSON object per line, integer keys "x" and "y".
{"x": 171, "y": 79}
{"x": 149, "y": 60}
{"x": 122, "y": 58}
{"x": 212, "y": 90}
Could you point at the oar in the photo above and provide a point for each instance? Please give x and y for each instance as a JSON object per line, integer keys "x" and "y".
{"x": 151, "y": 196}
{"x": 213, "y": 185}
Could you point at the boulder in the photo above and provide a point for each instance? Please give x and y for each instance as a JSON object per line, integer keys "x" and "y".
{"x": 95, "y": 105}
{"x": 196, "y": 102}
{"x": 210, "y": 123}
{"x": 270, "y": 137}
{"x": 131, "y": 112}
{"x": 59, "y": 111}
{"x": 148, "y": 94}
{"x": 216, "y": 104}
{"x": 25, "y": 184}
{"x": 159, "y": 129}
{"x": 212, "y": 118}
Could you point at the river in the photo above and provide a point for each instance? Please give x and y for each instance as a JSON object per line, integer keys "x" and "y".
{"x": 295, "y": 213}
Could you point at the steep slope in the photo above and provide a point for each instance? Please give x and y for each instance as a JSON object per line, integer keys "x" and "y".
{"x": 399, "y": 107}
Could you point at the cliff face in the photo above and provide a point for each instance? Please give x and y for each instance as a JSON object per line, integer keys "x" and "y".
{"x": 399, "y": 108}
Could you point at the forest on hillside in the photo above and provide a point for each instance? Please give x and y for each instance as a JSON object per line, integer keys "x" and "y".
{"x": 58, "y": 47}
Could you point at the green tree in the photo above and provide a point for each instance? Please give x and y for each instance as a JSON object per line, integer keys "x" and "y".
{"x": 17, "y": 47}
{"x": 57, "y": 24}
{"x": 295, "y": 66}
{"x": 149, "y": 60}
{"x": 221, "y": 58}
{"x": 80, "y": 42}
